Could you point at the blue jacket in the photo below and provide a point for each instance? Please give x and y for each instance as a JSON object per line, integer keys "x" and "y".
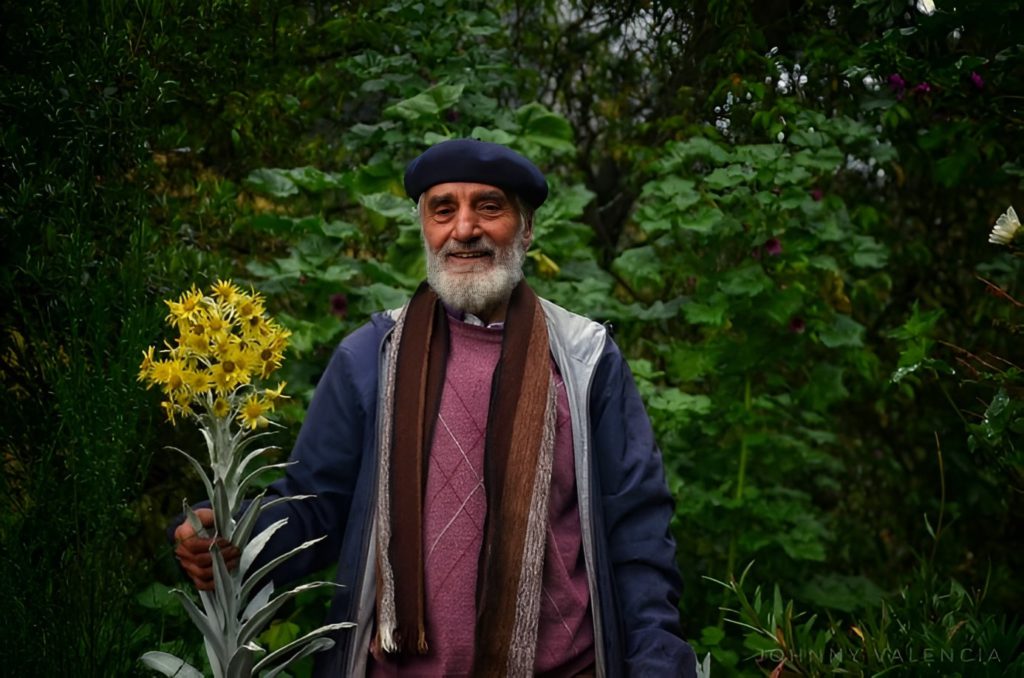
{"x": 624, "y": 503}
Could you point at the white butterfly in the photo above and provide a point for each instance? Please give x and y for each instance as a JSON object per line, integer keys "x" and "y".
{"x": 926, "y": 6}
{"x": 1005, "y": 229}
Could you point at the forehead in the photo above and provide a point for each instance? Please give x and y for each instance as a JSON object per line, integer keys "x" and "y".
{"x": 462, "y": 190}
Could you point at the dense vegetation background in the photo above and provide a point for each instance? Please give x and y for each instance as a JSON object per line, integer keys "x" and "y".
{"x": 782, "y": 207}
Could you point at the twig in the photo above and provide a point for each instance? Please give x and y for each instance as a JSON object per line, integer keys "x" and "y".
{"x": 999, "y": 291}
{"x": 942, "y": 496}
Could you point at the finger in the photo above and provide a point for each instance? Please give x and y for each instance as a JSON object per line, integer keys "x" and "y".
{"x": 183, "y": 532}
{"x": 203, "y": 585}
{"x": 205, "y": 516}
{"x": 199, "y": 559}
{"x": 198, "y": 574}
{"x": 195, "y": 545}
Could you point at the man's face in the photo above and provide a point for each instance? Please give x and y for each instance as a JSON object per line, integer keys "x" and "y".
{"x": 475, "y": 245}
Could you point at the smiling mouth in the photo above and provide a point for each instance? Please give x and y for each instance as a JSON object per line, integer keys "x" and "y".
{"x": 469, "y": 255}
{"x": 475, "y": 261}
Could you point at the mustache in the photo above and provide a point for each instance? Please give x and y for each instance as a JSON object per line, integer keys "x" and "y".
{"x": 481, "y": 245}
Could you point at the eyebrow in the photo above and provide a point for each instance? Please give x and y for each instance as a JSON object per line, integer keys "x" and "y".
{"x": 490, "y": 194}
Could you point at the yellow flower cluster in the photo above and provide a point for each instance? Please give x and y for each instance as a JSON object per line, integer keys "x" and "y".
{"x": 225, "y": 341}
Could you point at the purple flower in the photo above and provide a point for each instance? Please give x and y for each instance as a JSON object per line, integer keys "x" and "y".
{"x": 977, "y": 81}
{"x": 339, "y": 305}
{"x": 817, "y": 194}
{"x": 922, "y": 88}
{"x": 773, "y": 247}
{"x": 797, "y": 325}
{"x": 897, "y": 84}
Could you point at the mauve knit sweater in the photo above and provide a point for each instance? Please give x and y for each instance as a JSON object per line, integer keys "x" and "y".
{"x": 453, "y": 527}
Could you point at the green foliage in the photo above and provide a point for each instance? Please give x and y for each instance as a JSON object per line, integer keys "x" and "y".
{"x": 931, "y": 626}
{"x": 781, "y": 208}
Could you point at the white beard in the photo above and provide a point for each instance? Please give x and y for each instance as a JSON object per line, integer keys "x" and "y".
{"x": 476, "y": 292}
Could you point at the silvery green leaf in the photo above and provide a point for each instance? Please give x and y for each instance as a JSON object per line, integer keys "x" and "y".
{"x": 252, "y": 476}
{"x": 193, "y": 520}
{"x": 222, "y": 509}
{"x": 258, "y": 601}
{"x": 242, "y": 440}
{"x": 211, "y": 447}
{"x": 315, "y": 645}
{"x": 253, "y": 548}
{"x": 216, "y": 658}
{"x": 199, "y": 469}
{"x": 213, "y": 635}
{"x": 300, "y": 642}
{"x": 245, "y": 525}
{"x": 243, "y": 660}
{"x": 245, "y": 522}
{"x": 213, "y": 611}
{"x": 240, "y": 467}
{"x": 169, "y": 665}
{"x": 704, "y": 669}
{"x": 223, "y": 587}
{"x": 265, "y": 613}
{"x": 259, "y": 574}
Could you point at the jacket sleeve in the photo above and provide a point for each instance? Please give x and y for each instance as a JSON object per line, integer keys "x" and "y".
{"x": 636, "y": 509}
{"x": 326, "y": 461}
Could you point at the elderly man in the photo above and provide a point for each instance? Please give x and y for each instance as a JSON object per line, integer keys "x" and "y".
{"x": 485, "y": 471}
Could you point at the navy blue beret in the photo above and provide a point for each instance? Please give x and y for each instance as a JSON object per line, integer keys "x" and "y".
{"x": 478, "y": 162}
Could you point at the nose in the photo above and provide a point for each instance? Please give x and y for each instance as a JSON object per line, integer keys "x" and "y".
{"x": 466, "y": 226}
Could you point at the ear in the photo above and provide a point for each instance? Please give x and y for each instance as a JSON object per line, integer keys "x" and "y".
{"x": 528, "y": 232}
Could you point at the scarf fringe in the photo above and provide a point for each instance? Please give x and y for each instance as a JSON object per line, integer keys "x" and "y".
{"x": 387, "y": 616}
{"x": 523, "y": 645}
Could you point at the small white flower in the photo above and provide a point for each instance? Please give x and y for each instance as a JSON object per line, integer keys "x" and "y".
{"x": 926, "y": 6}
{"x": 1005, "y": 229}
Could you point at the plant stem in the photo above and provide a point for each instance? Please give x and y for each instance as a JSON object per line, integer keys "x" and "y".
{"x": 942, "y": 498}
{"x": 741, "y": 475}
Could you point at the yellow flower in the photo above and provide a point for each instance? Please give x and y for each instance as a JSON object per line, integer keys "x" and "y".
{"x": 223, "y": 342}
{"x": 233, "y": 368}
{"x": 217, "y": 327}
{"x": 194, "y": 337}
{"x": 196, "y": 382}
{"x": 225, "y": 290}
{"x": 221, "y": 408}
{"x": 254, "y": 326}
{"x": 169, "y": 373}
{"x": 270, "y": 354}
{"x": 248, "y": 305}
{"x": 186, "y": 308}
{"x": 224, "y": 376}
{"x": 183, "y": 401}
{"x": 252, "y": 412}
{"x": 147, "y": 363}
{"x": 274, "y": 395}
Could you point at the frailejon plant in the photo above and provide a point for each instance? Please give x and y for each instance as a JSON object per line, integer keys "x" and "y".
{"x": 226, "y": 344}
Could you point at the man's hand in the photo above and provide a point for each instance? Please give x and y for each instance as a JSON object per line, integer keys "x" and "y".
{"x": 193, "y": 552}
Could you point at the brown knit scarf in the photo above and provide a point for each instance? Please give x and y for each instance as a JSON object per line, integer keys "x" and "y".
{"x": 517, "y": 477}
